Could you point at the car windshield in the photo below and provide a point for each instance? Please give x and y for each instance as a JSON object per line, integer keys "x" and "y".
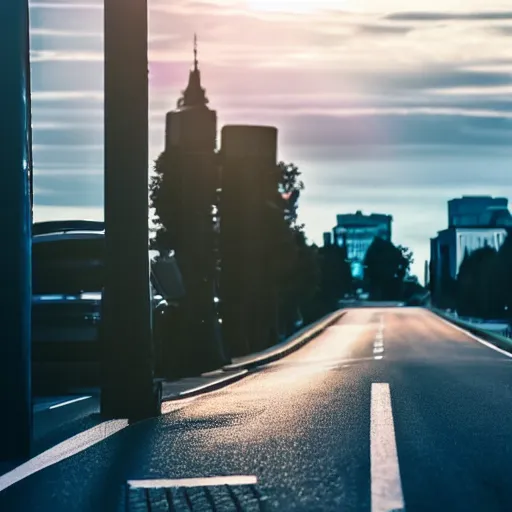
{"x": 67, "y": 266}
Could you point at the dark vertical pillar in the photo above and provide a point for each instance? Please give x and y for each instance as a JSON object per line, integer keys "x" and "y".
{"x": 15, "y": 232}
{"x": 248, "y": 307}
{"x": 128, "y": 390}
{"x": 196, "y": 260}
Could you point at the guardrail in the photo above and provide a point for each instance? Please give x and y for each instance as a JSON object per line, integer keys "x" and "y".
{"x": 503, "y": 328}
{"x": 493, "y": 337}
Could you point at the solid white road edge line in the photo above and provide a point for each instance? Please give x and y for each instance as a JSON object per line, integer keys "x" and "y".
{"x": 77, "y": 444}
{"x": 213, "y": 383}
{"x": 69, "y": 402}
{"x": 62, "y": 451}
{"x": 194, "y": 482}
{"x": 386, "y": 486}
{"x": 474, "y": 336}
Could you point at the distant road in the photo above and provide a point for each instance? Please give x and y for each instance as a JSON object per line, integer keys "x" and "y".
{"x": 390, "y": 409}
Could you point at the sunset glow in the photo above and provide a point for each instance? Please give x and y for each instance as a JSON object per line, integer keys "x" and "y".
{"x": 296, "y": 6}
{"x": 362, "y": 91}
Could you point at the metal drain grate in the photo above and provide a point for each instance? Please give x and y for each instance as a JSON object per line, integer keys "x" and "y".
{"x": 215, "y": 494}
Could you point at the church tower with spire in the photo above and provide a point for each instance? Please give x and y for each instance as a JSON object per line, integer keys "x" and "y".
{"x": 192, "y": 126}
{"x": 190, "y": 143}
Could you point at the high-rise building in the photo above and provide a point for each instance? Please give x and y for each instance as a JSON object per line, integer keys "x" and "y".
{"x": 192, "y": 127}
{"x": 473, "y": 222}
{"x": 478, "y": 211}
{"x": 327, "y": 237}
{"x": 190, "y": 143}
{"x": 450, "y": 246}
{"x": 356, "y": 232}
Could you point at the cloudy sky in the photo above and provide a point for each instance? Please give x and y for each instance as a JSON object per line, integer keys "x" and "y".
{"x": 389, "y": 106}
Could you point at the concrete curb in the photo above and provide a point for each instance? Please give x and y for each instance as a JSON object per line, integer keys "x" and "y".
{"x": 491, "y": 337}
{"x": 288, "y": 346}
{"x": 207, "y": 387}
{"x": 233, "y": 372}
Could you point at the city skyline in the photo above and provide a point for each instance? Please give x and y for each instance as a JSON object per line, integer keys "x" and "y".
{"x": 382, "y": 108}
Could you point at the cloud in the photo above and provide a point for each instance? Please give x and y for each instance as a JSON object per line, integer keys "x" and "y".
{"x": 76, "y": 17}
{"x": 450, "y": 16}
{"x": 72, "y": 190}
{"x": 407, "y": 167}
{"x": 394, "y": 112}
{"x": 63, "y": 95}
{"x": 470, "y": 91}
{"x": 376, "y": 29}
{"x": 68, "y": 77}
{"x": 65, "y": 56}
{"x": 51, "y": 155}
{"x": 50, "y": 34}
{"x": 68, "y": 136}
{"x": 392, "y": 129}
{"x": 504, "y": 30}
{"x": 431, "y": 77}
{"x": 65, "y": 4}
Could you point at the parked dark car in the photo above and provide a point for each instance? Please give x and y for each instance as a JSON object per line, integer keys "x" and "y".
{"x": 67, "y": 283}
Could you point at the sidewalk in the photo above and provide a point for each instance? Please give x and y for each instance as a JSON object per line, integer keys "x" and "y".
{"x": 57, "y": 418}
{"x": 489, "y": 335}
{"x": 294, "y": 342}
{"x": 65, "y": 426}
{"x": 61, "y": 418}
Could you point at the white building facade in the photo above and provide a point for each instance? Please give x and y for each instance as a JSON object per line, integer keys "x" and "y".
{"x": 468, "y": 240}
{"x": 474, "y": 222}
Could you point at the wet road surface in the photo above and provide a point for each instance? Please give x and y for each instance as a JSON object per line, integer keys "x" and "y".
{"x": 389, "y": 409}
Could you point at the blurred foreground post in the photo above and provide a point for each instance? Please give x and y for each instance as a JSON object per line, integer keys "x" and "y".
{"x": 128, "y": 387}
{"x": 15, "y": 232}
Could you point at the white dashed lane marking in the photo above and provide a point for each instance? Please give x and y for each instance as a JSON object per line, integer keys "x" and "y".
{"x": 386, "y": 486}
{"x": 378, "y": 344}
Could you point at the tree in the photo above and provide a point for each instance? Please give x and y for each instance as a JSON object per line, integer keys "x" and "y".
{"x": 165, "y": 200}
{"x": 503, "y": 277}
{"x": 386, "y": 267}
{"x": 477, "y": 284}
{"x": 413, "y": 292}
{"x": 336, "y": 276}
{"x": 182, "y": 196}
{"x": 299, "y": 284}
{"x": 484, "y": 282}
{"x": 408, "y": 256}
{"x": 290, "y": 186}
{"x": 297, "y": 271}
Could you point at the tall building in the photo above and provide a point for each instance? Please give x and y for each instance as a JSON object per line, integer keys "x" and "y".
{"x": 478, "y": 211}
{"x": 448, "y": 248}
{"x": 356, "y": 232}
{"x": 192, "y": 127}
{"x": 190, "y": 143}
{"x": 327, "y": 237}
{"x": 473, "y": 222}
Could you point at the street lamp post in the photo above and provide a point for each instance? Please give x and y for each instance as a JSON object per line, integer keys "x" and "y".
{"x": 15, "y": 232}
{"x": 128, "y": 387}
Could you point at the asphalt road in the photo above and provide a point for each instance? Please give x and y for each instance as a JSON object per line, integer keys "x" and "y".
{"x": 390, "y": 409}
